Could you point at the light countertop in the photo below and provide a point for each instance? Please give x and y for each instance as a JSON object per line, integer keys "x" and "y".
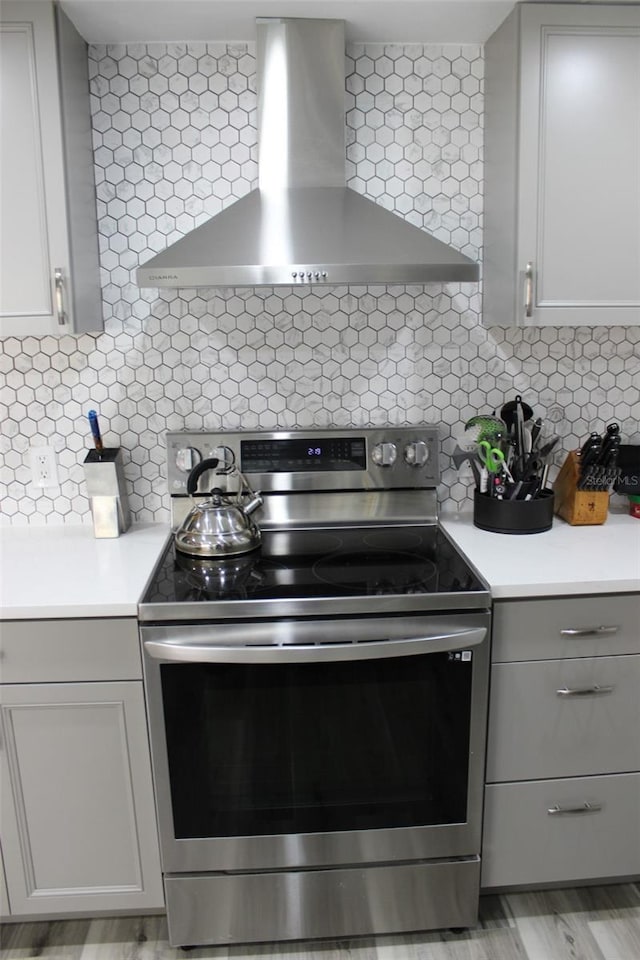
{"x": 64, "y": 571}
{"x": 561, "y": 561}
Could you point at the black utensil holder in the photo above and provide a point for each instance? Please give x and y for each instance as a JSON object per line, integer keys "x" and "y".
{"x": 513, "y": 516}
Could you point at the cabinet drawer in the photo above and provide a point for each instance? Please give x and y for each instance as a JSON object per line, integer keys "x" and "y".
{"x": 542, "y": 629}
{"x": 65, "y": 651}
{"x": 536, "y": 732}
{"x": 524, "y": 844}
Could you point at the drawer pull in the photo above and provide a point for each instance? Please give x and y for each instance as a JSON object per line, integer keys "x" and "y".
{"x": 595, "y": 690}
{"x": 587, "y": 631}
{"x": 586, "y": 807}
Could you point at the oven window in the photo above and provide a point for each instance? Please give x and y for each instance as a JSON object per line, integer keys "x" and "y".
{"x": 314, "y": 748}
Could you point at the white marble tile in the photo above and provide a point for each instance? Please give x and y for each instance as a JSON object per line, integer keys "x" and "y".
{"x": 172, "y": 148}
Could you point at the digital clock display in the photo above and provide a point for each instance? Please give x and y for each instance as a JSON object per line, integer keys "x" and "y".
{"x": 303, "y": 456}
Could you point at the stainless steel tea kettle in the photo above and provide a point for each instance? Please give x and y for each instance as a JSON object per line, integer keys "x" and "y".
{"x": 220, "y": 526}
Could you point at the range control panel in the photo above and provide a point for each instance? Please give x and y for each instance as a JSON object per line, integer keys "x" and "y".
{"x": 372, "y": 458}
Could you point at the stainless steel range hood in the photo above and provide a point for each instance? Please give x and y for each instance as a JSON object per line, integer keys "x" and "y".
{"x": 303, "y": 225}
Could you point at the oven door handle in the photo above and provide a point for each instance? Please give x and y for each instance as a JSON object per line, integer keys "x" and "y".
{"x": 314, "y": 652}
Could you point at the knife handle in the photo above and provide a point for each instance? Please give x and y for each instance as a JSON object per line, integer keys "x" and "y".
{"x": 611, "y": 448}
{"x": 95, "y": 431}
{"x": 593, "y": 443}
{"x": 587, "y": 464}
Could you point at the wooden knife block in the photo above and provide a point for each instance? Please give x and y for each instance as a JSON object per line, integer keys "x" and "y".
{"x": 578, "y": 507}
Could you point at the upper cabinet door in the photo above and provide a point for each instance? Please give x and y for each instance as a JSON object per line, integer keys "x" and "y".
{"x": 562, "y": 152}
{"x": 49, "y": 278}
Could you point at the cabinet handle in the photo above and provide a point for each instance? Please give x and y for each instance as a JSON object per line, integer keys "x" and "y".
{"x": 586, "y": 807}
{"x": 596, "y": 689}
{"x": 59, "y": 281}
{"x": 528, "y": 290}
{"x": 587, "y": 631}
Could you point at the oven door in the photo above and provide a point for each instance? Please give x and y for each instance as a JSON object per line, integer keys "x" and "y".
{"x": 280, "y": 744}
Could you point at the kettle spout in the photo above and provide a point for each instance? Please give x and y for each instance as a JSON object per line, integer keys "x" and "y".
{"x": 253, "y": 504}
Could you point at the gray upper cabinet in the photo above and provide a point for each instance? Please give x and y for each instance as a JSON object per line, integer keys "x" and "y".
{"x": 49, "y": 271}
{"x": 562, "y": 167}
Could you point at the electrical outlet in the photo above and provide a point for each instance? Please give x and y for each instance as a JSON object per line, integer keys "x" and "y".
{"x": 44, "y": 470}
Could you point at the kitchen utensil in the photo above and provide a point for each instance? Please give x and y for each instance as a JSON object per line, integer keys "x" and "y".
{"x": 610, "y": 464}
{"x": 521, "y": 448}
{"x": 508, "y": 411}
{"x": 220, "y": 526}
{"x": 539, "y": 458}
{"x": 484, "y": 427}
{"x": 536, "y": 429}
{"x": 544, "y": 476}
{"x": 460, "y": 456}
{"x": 491, "y": 457}
{"x": 547, "y": 448}
{"x": 95, "y": 431}
{"x": 610, "y": 442}
{"x": 590, "y": 449}
{"x": 515, "y": 414}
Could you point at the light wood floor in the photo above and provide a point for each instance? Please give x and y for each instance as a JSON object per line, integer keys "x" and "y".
{"x": 590, "y": 923}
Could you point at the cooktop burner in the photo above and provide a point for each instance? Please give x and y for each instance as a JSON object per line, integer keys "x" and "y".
{"x": 393, "y": 561}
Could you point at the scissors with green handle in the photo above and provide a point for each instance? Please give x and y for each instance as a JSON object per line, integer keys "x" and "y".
{"x": 492, "y": 458}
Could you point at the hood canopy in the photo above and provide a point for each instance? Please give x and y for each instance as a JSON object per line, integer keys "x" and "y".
{"x": 303, "y": 225}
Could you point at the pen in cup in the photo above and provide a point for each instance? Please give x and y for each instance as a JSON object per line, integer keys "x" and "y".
{"x": 95, "y": 430}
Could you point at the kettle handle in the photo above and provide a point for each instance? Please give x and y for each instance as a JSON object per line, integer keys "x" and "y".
{"x": 198, "y": 470}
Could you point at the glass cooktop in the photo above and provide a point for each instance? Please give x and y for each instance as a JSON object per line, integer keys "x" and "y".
{"x": 319, "y": 565}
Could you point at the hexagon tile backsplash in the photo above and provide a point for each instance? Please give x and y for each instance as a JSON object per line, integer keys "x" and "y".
{"x": 175, "y": 142}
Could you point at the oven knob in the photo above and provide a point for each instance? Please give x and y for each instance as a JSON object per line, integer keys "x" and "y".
{"x": 187, "y": 458}
{"x": 225, "y": 457}
{"x": 416, "y": 453}
{"x": 384, "y": 454}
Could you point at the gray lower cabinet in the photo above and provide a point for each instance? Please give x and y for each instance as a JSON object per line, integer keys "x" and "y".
{"x": 571, "y": 718}
{"x": 561, "y": 831}
{"x": 562, "y": 801}
{"x": 77, "y": 818}
{"x": 4, "y": 899}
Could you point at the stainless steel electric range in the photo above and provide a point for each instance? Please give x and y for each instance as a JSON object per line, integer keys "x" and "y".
{"x": 317, "y": 706}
